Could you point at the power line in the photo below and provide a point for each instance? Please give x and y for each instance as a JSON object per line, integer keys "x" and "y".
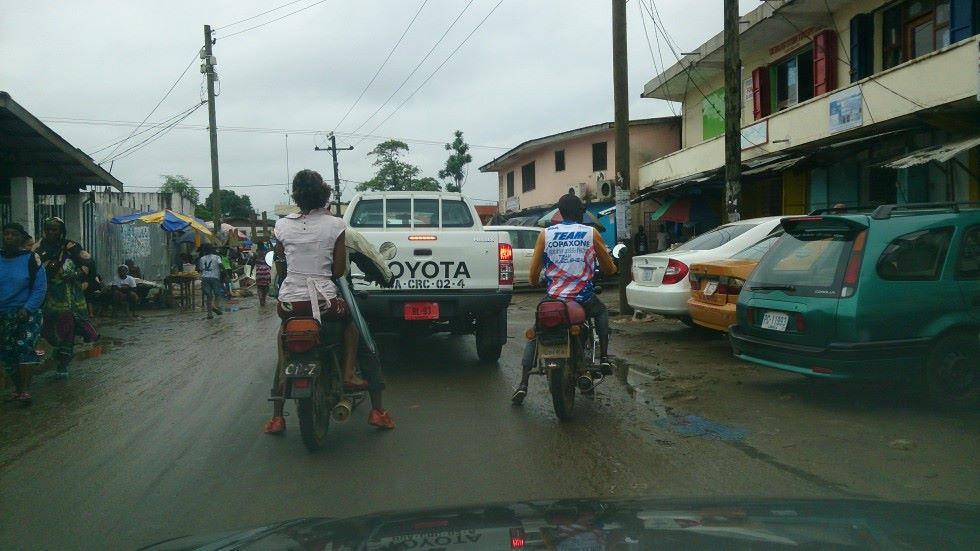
{"x": 271, "y": 20}
{"x": 417, "y": 66}
{"x": 287, "y": 4}
{"x": 653, "y": 58}
{"x": 149, "y": 128}
{"x": 255, "y": 130}
{"x": 155, "y": 136}
{"x": 157, "y": 106}
{"x": 451, "y": 54}
{"x": 383, "y": 63}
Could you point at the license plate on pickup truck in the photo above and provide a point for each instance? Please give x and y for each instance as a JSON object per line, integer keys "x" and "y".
{"x": 421, "y": 310}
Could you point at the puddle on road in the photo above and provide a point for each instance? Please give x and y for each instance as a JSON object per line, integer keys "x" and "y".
{"x": 641, "y": 388}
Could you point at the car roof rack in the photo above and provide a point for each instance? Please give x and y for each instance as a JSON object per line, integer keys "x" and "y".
{"x": 884, "y": 212}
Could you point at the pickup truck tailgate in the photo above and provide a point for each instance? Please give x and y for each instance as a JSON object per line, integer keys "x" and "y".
{"x": 439, "y": 261}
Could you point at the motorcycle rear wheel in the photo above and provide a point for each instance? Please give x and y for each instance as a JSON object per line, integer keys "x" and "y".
{"x": 314, "y": 417}
{"x": 562, "y": 385}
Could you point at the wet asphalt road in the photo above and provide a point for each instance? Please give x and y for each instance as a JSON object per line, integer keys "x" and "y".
{"x": 159, "y": 435}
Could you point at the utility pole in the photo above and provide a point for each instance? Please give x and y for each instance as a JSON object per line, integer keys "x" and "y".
{"x": 336, "y": 171}
{"x": 207, "y": 67}
{"x": 733, "y": 113}
{"x": 622, "y": 118}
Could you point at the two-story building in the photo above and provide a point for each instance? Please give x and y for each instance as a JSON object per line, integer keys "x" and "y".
{"x": 533, "y": 175}
{"x": 859, "y": 102}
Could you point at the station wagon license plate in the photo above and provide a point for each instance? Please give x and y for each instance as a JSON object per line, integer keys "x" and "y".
{"x": 421, "y": 310}
{"x": 710, "y": 288}
{"x": 775, "y": 321}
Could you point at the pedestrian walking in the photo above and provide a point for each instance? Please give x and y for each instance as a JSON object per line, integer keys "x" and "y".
{"x": 209, "y": 265}
{"x": 23, "y": 285}
{"x": 67, "y": 266}
{"x": 640, "y": 241}
{"x": 263, "y": 277}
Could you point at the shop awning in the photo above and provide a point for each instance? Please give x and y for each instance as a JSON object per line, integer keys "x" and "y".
{"x": 684, "y": 210}
{"x": 938, "y": 153}
{"x": 774, "y": 166}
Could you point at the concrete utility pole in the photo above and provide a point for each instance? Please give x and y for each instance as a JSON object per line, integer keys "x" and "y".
{"x": 336, "y": 171}
{"x": 208, "y": 68}
{"x": 622, "y": 117}
{"x": 733, "y": 113}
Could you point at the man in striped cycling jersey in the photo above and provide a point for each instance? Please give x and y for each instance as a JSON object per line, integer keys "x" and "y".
{"x": 568, "y": 253}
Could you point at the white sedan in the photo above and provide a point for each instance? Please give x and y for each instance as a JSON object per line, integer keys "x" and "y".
{"x": 659, "y": 284}
{"x": 522, "y": 239}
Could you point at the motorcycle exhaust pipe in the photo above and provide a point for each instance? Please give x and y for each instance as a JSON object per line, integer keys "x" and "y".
{"x": 341, "y": 411}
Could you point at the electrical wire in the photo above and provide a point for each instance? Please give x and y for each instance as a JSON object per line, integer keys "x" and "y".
{"x": 287, "y": 4}
{"x": 255, "y": 130}
{"x": 657, "y": 69}
{"x": 157, "y": 106}
{"x": 433, "y": 73}
{"x": 149, "y": 128}
{"x": 383, "y": 63}
{"x": 155, "y": 136}
{"x": 417, "y": 67}
{"x": 236, "y": 33}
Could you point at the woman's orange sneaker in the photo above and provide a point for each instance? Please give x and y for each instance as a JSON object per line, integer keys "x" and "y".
{"x": 276, "y": 425}
{"x": 381, "y": 418}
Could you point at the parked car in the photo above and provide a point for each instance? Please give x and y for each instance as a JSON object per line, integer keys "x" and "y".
{"x": 893, "y": 294}
{"x": 522, "y": 239}
{"x": 660, "y": 284}
{"x": 715, "y": 286}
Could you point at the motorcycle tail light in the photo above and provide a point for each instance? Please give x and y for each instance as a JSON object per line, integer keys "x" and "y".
{"x": 301, "y": 335}
{"x": 301, "y": 383}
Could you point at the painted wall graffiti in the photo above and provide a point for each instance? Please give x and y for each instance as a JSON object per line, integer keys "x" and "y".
{"x": 135, "y": 241}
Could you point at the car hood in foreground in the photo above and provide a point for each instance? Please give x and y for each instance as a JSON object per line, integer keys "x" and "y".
{"x": 625, "y": 523}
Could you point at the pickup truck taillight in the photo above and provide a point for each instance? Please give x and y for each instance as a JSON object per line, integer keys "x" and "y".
{"x": 505, "y": 255}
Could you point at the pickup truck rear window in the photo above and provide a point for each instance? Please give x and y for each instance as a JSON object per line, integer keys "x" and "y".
{"x": 402, "y": 213}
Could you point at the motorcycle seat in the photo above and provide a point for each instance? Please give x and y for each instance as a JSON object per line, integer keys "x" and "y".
{"x": 576, "y": 314}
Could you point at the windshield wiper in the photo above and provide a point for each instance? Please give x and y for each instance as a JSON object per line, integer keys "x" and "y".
{"x": 789, "y": 288}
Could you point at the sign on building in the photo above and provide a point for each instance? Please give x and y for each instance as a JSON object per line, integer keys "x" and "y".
{"x": 623, "y": 214}
{"x": 846, "y": 109}
{"x": 755, "y": 135}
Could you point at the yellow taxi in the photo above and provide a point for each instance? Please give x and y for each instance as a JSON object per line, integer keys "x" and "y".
{"x": 715, "y": 285}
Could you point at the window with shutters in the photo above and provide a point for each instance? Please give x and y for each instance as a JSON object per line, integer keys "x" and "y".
{"x": 793, "y": 80}
{"x": 510, "y": 184}
{"x": 915, "y": 28}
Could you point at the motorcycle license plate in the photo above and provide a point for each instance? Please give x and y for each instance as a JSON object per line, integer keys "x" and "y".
{"x": 553, "y": 349}
{"x": 421, "y": 310}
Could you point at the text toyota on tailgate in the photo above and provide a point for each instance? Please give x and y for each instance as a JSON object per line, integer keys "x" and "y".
{"x": 450, "y": 275}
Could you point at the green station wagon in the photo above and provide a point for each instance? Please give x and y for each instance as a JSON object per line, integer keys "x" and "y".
{"x": 894, "y": 294}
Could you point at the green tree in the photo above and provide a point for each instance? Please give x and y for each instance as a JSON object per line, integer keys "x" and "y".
{"x": 176, "y": 183}
{"x": 233, "y": 205}
{"x": 394, "y": 174}
{"x": 203, "y": 213}
{"x": 456, "y": 163}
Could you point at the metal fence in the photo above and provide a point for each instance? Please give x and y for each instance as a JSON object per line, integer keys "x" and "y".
{"x": 110, "y": 244}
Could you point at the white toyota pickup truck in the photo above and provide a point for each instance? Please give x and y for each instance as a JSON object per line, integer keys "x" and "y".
{"x": 450, "y": 275}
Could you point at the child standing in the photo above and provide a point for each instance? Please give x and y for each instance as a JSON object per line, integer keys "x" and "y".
{"x": 263, "y": 277}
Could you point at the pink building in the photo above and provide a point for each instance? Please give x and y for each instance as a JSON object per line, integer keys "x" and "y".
{"x": 582, "y": 161}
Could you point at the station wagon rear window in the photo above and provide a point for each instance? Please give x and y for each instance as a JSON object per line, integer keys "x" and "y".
{"x": 805, "y": 264}
{"x": 411, "y": 213}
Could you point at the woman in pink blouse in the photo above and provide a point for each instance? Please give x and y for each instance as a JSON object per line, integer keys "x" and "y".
{"x": 311, "y": 244}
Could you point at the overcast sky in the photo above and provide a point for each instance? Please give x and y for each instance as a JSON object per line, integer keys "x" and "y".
{"x": 533, "y": 68}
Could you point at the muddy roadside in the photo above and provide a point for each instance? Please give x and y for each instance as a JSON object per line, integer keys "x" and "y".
{"x": 866, "y": 439}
